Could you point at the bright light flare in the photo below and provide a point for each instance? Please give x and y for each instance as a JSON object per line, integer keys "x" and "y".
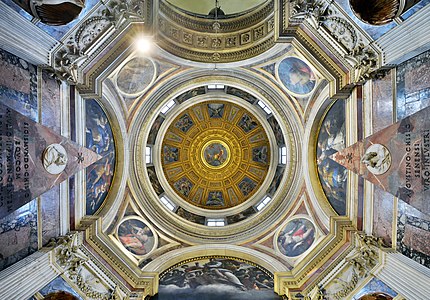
{"x": 143, "y": 44}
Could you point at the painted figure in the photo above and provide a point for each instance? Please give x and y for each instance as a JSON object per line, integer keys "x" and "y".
{"x": 215, "y": 110}
{"x": 184, "y": 123}
{"x": 247, "y": 123}
{"x": 136, "y": 237}
{"x": 170, "y": 154}
{"x": 331, "y": 139}
{"x": 296, "y": 238}
{"x": 260, "y": 154}
{"x": 99, "y": 138}
{"x": 215, "y": 154}
{"x": 217, "y": 277}
{"x": 183, "y": 186}
{"x": 246, "y": 186}
{"x": 215, "y": 199}
{"x": 296, "y": 75}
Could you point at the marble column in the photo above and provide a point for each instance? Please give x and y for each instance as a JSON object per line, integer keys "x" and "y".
{"x": 18, "y": 34}
{"x": 23, "y": 279}
{"x": 407, "y": 40}
{"x": 406, "y": 276}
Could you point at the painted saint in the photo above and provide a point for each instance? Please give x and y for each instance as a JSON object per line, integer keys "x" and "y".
{"x": 296, "y": 75}
{"x": 247, "y": 123}
{"x": 216, "y": 154}
{"x": 136, "y": 236}
{"x": 296, "y": 237}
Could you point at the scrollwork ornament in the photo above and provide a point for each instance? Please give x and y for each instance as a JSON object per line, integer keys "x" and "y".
{"x": 119, "y": 11}
{"x": 68, "y": 256}
{"x": 363, "y": 260}
{"x": 307, "y": 9}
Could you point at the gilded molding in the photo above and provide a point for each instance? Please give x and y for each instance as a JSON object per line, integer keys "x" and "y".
{"x": 208, "y": 40}
{"x": 193, "y": 23}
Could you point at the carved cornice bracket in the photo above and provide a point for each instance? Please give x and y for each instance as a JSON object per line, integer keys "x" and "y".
{"x": 104, "y": 23}
{"x": 336, "y": 33}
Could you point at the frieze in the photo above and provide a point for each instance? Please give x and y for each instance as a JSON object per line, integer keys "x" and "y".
{"x": 221, "y": 56}
{"x": 216, "y": 40}
{"x": 186, "y": 21}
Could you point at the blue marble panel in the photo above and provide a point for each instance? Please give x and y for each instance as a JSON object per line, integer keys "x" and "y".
{"x": 406, "y": 15}
{"x": 375, "y": 285}
{"x": 18, "y": 234}
{"x": 413, "y": 85}
{"x": 59, "y": 284}
{"x": 18, "y": 85}
{"x": 331, "y": 139}
{"x": 99, "y": 138}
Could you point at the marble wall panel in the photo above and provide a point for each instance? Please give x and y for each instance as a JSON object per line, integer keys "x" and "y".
{"x": 50, "y": 210}
{"x": 18, "y": 85}
{"x": 18, "y": 90}
{"x": 50, "y": 102}
{"x": 413, "y": 85}
{"x": 382, "y": 102}
{"x": 18, "y": 234}
{"x": 413, "y": 234}
{"x": 383, "y": 210}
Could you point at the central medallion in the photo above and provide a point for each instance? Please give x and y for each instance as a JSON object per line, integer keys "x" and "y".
{"x": 215, "y": 154}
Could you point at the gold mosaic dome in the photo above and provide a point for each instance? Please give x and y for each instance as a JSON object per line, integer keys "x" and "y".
{"x": 215, "y": 155}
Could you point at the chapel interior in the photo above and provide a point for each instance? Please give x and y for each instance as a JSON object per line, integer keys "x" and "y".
{"x": 214, "y": 149}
